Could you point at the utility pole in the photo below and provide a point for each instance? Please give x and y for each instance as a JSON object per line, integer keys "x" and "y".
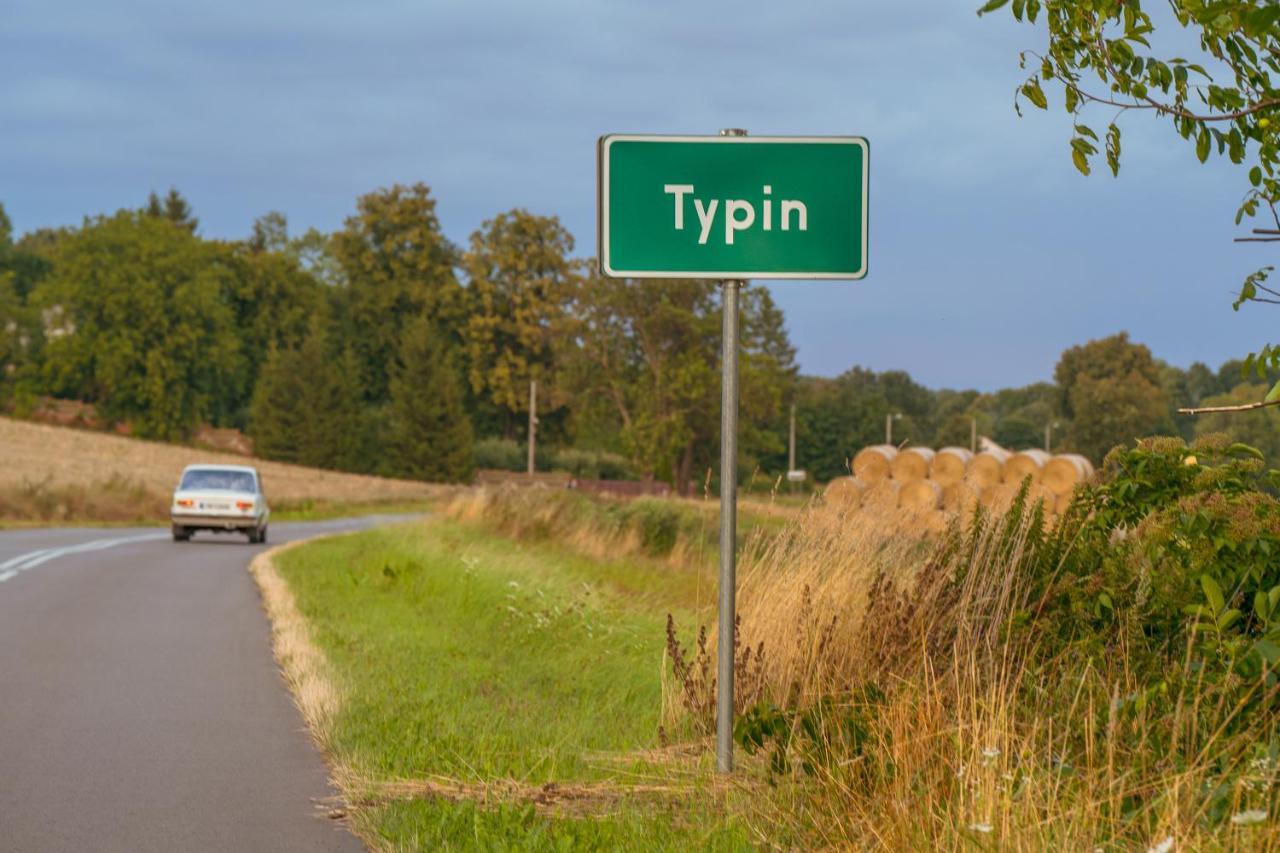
{"x": 791, "y": 452}
{"x": 973, "y": 435}
{"x": 888, "y": 426}
{"x": 533, "y": 421}
{"x": 1048, "y": 435}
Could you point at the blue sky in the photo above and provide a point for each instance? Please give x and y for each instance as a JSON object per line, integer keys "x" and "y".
{"x": 989, "y": 254}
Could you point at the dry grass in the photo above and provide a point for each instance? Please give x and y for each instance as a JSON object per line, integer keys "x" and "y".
{"x": 57, "y": 473}
{"x": 304, "y": 666}
{"x": 934, "y": 723}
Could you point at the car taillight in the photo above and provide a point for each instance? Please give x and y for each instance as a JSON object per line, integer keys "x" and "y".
{"x": 244, "y": 505}
{"x": 186, "y": 502}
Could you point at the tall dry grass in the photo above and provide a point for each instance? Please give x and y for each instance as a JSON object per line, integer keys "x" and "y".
{"x": 679, "y": 533}
{"x": 921, "y": 708}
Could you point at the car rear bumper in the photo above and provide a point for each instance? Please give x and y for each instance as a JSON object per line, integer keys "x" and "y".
{"x": 217, "y": 522}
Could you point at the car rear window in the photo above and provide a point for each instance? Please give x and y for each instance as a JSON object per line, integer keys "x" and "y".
{"x": 232, "y": 481}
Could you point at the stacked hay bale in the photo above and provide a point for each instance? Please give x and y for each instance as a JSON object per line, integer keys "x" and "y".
{"x": 987, "y": 468}
{"x": 950, "y": 464}
{"x": 1062, "y": 474}
{"x": 912, "y": 464}
{"x": 872, "y": 464}
{"x": 846, "y": 492}
{"x": 936, "y": 485}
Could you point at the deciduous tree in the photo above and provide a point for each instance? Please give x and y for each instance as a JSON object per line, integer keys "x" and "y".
{"x": 1111, "y": 391}
{"x": 518, "y": 272}
{"x": 398, "y": 265}
{"x": 135, "y": 321}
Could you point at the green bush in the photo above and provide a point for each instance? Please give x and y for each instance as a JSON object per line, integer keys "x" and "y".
{"x": 503, "y": 454}
{"x": 500, "y": 454}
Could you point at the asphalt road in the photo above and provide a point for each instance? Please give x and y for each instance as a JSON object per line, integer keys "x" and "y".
{"x": 140, "y": 706}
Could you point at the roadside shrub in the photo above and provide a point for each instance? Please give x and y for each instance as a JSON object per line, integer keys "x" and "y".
{"x": 1104, "y": 681}
{"x": 500, "y": 454}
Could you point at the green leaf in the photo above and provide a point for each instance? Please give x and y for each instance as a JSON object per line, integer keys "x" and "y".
{"x": 1273, "y": 394}
{"x": 1202, "y": 145}
{"x": 1082, "y": 162}
{"x": 1073, "y": 99}
{"x": 1212, "y": 593}
{"x": 1255, "y": 175}
{"x": 1035, "y": 94}
{"x": 1239, "y": 448}
{"x": 991, "y": 6}
{"x": 1267, "y": 650}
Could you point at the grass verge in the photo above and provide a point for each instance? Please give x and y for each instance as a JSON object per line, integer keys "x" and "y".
{"x": 475, "y": 692}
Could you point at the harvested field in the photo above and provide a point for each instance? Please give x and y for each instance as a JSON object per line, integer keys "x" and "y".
{"x": 58, "y": 463}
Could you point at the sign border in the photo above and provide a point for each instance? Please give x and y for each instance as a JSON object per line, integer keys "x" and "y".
{"x": 602, "y": 203}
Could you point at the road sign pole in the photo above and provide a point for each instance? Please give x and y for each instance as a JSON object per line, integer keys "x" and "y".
{"x": 728, "y": 528}
{"x": 726, "y": 645}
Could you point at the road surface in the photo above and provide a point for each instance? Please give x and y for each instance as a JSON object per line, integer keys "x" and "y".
{"x": 140, "y": 706}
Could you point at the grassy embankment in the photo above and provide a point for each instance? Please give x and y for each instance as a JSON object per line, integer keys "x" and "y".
{"x": 1106, "y": 683}
{"x": 482, "y": 691}
{"x": 56, "y": 475}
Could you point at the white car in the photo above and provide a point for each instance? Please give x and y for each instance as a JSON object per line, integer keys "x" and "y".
{"x": 221, "y": 499}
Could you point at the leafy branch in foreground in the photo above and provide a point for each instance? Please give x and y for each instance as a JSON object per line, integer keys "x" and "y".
{"x": 1100, "y": 52}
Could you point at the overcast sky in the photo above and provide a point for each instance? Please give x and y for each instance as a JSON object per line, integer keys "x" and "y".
{"x": 989, "y": 254}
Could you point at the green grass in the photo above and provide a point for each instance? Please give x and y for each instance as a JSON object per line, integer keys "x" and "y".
{"x": 462, "y": 654}
{"x": 445, "y": 825}
{"x": 324, "y": 510}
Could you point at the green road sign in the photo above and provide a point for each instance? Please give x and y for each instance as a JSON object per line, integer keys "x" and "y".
{"x": 733, "y": 206}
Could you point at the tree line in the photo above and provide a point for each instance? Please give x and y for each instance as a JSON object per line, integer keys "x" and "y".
{"x": 381, "y": 347}
{"x": 384, "y": 348}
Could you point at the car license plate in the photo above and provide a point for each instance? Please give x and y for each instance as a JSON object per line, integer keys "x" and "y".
{"x": 215, "y": 506}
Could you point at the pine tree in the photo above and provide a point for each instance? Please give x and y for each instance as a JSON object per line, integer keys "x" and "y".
{"x": 173, "y": 207}
{"x": 306, "y": 408}
{"x": 276, "y": 414}
{"x": 430, "y": 433}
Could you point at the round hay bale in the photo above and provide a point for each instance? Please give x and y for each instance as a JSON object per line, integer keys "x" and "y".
{"x": 882, "y": 495}
{"x": 987, "y": 468}
{"x": 999, "y": 498}
{"x": 961, "y": 497}
{"x": 845, "y": 492}
{"x": 950, "y": 465}
{"x": 1064, "y": 472}
{"x": 920, "y": 495}
{"x": 872, "y": 464}
{"x": 912, "y": 464}
{"x": 1026, "y": 463}
{"x": 936, "y": 521}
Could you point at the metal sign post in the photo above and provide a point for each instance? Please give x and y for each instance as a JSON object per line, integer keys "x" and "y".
{"x": 728, "y": 528}
{"x": 731, "y": 208}
{"x": 725, "y": 647}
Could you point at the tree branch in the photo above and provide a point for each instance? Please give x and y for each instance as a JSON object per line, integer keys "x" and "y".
{"x": 1244, "y": 408}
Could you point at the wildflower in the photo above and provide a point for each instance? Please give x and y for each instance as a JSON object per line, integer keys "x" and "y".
{"x": 991, "y": 752}
{"x": 980, "y": 827}
{"x": 1162, "y": 846}
{"x": 1249, "y": 817}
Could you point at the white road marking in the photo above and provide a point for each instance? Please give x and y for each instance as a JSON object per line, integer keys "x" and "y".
{"x": 30, "y": 560}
